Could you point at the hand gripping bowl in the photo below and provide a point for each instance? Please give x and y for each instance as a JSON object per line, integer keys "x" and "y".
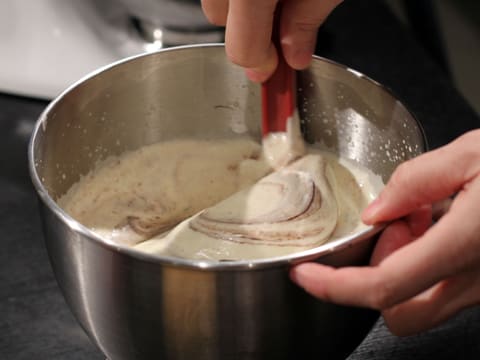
{"x": 139, "y": 306}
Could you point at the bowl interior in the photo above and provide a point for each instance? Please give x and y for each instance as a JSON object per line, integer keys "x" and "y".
{"x": 195, "y": 92}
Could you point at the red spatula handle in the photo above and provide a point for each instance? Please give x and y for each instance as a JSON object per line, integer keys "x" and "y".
{"x": 279, "y": 91}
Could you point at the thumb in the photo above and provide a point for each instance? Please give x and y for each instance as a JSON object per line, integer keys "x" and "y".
{"x": 428, "y": 178}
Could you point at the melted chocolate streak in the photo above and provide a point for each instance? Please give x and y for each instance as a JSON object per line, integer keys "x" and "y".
{"x": 209, "y": 227}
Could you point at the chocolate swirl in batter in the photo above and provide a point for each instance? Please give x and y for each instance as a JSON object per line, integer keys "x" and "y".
{"x": 294, "y": 206}
{"x": 220, "y": 199}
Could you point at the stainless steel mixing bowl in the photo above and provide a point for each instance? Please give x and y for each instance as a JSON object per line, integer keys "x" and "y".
{"x": 138, "y": 306}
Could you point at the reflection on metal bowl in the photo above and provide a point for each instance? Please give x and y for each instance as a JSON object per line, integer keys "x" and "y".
{"x": 138, "y": 306}
{"x": 172, "y": 22}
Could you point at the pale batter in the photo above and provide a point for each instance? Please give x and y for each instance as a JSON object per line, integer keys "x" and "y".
{"x": 137, "y": 198}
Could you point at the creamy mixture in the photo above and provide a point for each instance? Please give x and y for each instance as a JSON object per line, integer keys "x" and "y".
{"x": 221, "y": 200}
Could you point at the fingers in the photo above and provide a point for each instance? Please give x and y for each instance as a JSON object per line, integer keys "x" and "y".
{"x": 426, "y": 179}
{"x": 450, "y": 246}
{"x": 358, "y": 286}
{"x": 414, "y": 270}
{"x": 346, "y": 286}
{"x": 435, "y": 305}
{"x": 299, "y": 25}
{"x": 248, "y": 37}
{"x": 395, "y": 236}
{"x": 249, "y": 31}
{"x": 216, "y": 11}
{"x": 423, "y": 311}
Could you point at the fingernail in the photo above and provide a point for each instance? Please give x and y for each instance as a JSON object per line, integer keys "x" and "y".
{"x": 257, "y": 76}
{"x": 371, "y": 212}
{"x": 299, "y": 273}
{"x": 298, "y": 57}
{"x": 301, "y": 58}
{"x": 293, "y": 274}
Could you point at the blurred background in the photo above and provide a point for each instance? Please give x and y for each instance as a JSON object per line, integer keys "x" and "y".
{"x": 48, "y": 44}
{"x": 450, "y": 30}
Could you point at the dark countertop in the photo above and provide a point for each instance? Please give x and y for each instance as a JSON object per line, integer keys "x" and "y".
{"x": 35, "y": 322}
